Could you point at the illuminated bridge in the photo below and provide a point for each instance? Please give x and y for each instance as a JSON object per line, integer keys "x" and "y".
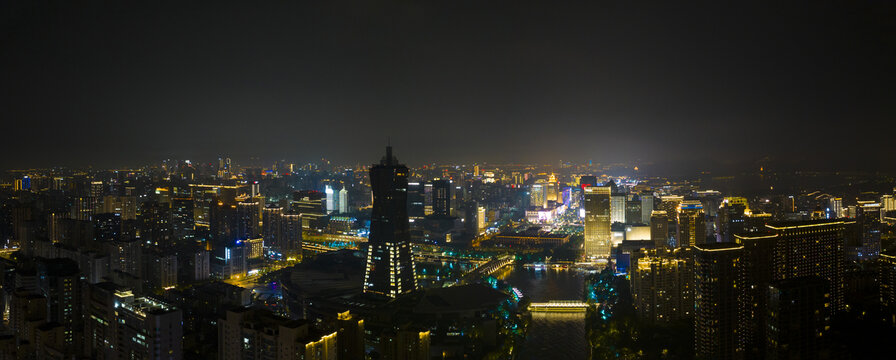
{"x": 559, "y": 306}
{"x": 318, "y": 248}
{"x": 490, "y": 267}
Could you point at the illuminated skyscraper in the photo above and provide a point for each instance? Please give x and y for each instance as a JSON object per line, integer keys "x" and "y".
{"x": 617, "y": 208}
{"x": 691, "y": 224}
{"x": 836, "y": 207}
{"x": 597, "y": 222}
{"x": 537, "y": 195}
{"x": 552, "y": 189}
{"x": 343, "y": 201}
{"x": 331, "y": 199}
{"x": 646, "y": 208}
{"x": 390, "y": 266}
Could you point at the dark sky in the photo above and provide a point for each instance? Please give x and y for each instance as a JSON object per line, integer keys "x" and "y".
{"x": 112, "y": 84}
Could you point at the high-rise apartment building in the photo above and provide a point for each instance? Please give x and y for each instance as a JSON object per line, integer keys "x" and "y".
{"x": 797, "y": 318}
{"x": 146, "y": 328}
{"x": 663, "y": 286}
{"x": 718, "y": 301}
{"x": 812, "y": 248}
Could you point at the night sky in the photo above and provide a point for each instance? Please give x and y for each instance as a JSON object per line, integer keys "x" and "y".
{"x": 114, "y": 84}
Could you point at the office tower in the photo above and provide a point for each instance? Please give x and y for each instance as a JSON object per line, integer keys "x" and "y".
{"x": 427, "y": 198}
{"x": 236, "y": 261}
{"x": 471, "y": 219}
{"x": 475, "y": 170}
{"x": 95, "y": 196}
{"x": 537, "y": 197}
{"x": 441, "y": 198}
{"x": 331, "y": 199}
{"x": 798, "y": 318}
{"x": 480, "y": 219}
{"x": 248, "y": 226}
{"x": 59, "y": 283}
{"x": 247, "y": 333}
{"x": 617, "y": 208}
{"x": 597, "y": 222}
{"x": 313, "y": 208}
{"x": 349, "y": 336}
{"x": 154, "y": 224}
{"x": 718, "y": 301}
{"x": 416, "y": 200}
{"x": 270, "y": 228}
{"x": 659, "y": 229}
{"x": 836, "y": 206}
{"x": 887, "y": 278}
{"x": 146, "y": 328}
{"x": 633, "y": 211}
{"x": 646, "y": 208}
{"x": 390, "y": 266}
{"x": 812, "y": 248}
{"x": 662, "y": 286}
{"x": 224, "y": 168}
{"x": 125, "y": 206}
{"x": 223, "y": 224}
{"x": 691, "y": 224}
{"x": 182, "y": 222}
{"x": 552, "y": 189}
{"x": 731, "y": 220}
{"x": 868, "y": 224}
{"x": 290, "y": 240}
{"x": 107, "y": 227}
{"x": 343, "y": 201}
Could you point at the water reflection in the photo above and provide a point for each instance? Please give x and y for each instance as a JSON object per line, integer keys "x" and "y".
{"x": 552, "y": 335}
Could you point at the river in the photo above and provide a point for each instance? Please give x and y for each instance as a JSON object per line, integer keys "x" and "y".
{"x": 552, "y": 335}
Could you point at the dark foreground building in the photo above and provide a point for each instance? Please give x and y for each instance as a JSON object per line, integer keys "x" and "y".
{"x": 390, "y": 266}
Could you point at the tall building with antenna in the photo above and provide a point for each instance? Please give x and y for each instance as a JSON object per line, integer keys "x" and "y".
{"x": 390, "y": 265}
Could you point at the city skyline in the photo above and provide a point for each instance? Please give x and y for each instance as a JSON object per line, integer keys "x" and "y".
{"x": 571, "y": 180}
